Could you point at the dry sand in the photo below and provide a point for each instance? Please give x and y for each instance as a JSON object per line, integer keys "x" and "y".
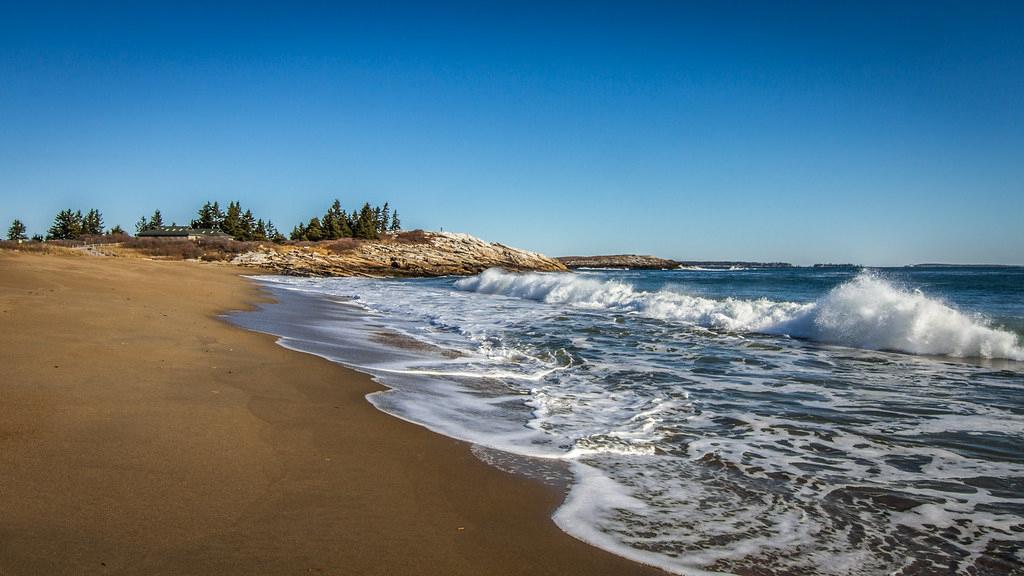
{"x": 139, "y": 434}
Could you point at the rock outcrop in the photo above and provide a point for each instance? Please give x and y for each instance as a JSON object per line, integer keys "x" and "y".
{"x": 631, "y": 261}
{"x": 416, "y": 253}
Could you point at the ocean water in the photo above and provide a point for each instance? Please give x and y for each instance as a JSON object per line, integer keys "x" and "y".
{"x": 785, "y": 421}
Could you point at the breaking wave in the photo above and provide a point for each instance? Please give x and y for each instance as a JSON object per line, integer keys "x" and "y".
{"x": 866, "y": 312}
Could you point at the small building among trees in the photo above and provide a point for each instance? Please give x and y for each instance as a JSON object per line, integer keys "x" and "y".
{"x": 183, "y": 232}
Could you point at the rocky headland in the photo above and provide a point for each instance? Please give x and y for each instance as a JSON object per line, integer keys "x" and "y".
{"x": 621, "y": 261}
{"x": 409, "y": 254}
{"x": 637, "y": 262}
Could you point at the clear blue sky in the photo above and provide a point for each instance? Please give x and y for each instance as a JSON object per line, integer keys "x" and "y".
{"x": 881, "y": 133}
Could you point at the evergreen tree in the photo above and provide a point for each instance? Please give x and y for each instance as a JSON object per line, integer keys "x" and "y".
{"x": 142, "y": 225}
{"x": 247, "y": 226}
{"x": 376, "y": 220}
{"x": 385, "y": 215}
{"x": 335, "y": 222}
{"x": 366, "y": 225}
{"x": 93, "y": 223}
{"x": 116, "y": 231}
{"x": 218, "y": 215}
{"x": 299, "y": 232}
{"x": 396, "y": 224}
{"x": 37, "y": 238}
{"x": 206, "y": 218}
{"x": 232, "y": 222}
{"x": 260, "y": 231}
{"x": 17, "y": 231}
{"x": 314, "y": 232}
{"x": 273, "y": 234}
{"x": 156, "y": 221}
{"x": 67, "y": 225}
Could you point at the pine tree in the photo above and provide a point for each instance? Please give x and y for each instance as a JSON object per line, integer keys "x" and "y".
{"x": 93, "y": 223}
{"x": 385, "y": 214}
{"x": 157, "y": 220}
{"x": 299, "y": 232}
{"x": 142, "y": 225}
{"x": 247, "y": 226}
{"x": 396, "y": 224}
{"x": 116, "y": 231}
{"x": 376, "y": 220}
{"x": 335, "y": 223}
{"x": 232, "y": 222}
{"x": 260, "y": 231}
{"x": 314, "y": 232}
{"x": 67, "y": 225}
{"x": 207, "y": 218}
{"x": 218, "y": 215}
{"x": 17, "y": 231}
{"x": 366, "y": 225}
{"x": 273, "y": 234}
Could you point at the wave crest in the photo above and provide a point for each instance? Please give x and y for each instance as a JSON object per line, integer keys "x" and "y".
{"x": 865, "y": 312}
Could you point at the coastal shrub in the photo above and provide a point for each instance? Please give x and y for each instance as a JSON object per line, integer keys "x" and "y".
{"x": 219, "y": 249}
{"x": 343, "y": 245}
{"x": 170, "y": 248}
{"x": 104, "y": 238}
{"x": 52, "y": 247}
{"x": 412, "y": 237}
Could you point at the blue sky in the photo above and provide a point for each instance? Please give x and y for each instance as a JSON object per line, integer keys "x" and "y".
{"x": 879, "y": 133}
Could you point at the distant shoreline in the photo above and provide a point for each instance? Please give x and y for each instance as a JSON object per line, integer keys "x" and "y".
{"x": 647, "y": 262}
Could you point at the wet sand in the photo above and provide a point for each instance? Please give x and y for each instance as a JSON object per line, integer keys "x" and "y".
{"x": 140, "y": 434}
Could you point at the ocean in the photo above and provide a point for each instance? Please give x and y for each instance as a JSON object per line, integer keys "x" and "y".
{"x": 769, "y": 421}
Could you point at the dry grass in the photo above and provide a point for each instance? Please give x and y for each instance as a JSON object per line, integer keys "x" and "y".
{"x": 343, "y": 245}
{"x": 169, "y": 248}
{"x": 210, "y": 250}
{"x": 411, "y": 237}
{"x": 51, "y": 247}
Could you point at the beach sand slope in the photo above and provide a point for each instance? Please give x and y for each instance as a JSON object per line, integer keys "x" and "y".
{"x": 139, "y": 434}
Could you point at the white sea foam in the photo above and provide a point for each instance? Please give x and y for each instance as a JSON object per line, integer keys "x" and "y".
{"x": 707, "y": 450}
{"x": 866, "y": 312}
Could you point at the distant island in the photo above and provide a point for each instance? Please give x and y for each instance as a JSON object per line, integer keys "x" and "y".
{"x": 937, "y": 265}
{"x": 638, "y": 262}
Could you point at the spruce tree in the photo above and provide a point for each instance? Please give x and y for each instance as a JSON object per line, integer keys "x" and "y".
{"x": 142, "y": 225}
{"x": 17, "y": 231}
{"x": 376, "y": 220}
{"x": 232, "y": 222}
{"x": 247, "y": 226}
{"x": 335, "y": 223}
{"x": 396, "y": 224}
{"x": 67, "y": 225}
{"x": 314, "y": 232}
{"x": 157, "y": 220}
{"x": 206, "y": 218}
{"x": 385, "y": 215}
{"x": 116, "y": 231}
{"x": 273, "y": 234}
{"x": 366, "y": 225}
{"x": 299, "y": 232}
{"x": 218, "y": 215}
{"x": 260, "y": 231}
{"x": 93, "y": 223}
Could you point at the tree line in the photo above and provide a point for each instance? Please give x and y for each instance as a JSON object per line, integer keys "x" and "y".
{"x": 242, "y": 226}
{"x": 367, "y": 223}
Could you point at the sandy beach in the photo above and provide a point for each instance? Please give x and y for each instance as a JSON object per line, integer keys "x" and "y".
{"x": 140, "y": 434}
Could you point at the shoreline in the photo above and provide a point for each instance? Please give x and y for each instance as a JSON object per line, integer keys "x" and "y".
{"x": 142, "y": 433}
